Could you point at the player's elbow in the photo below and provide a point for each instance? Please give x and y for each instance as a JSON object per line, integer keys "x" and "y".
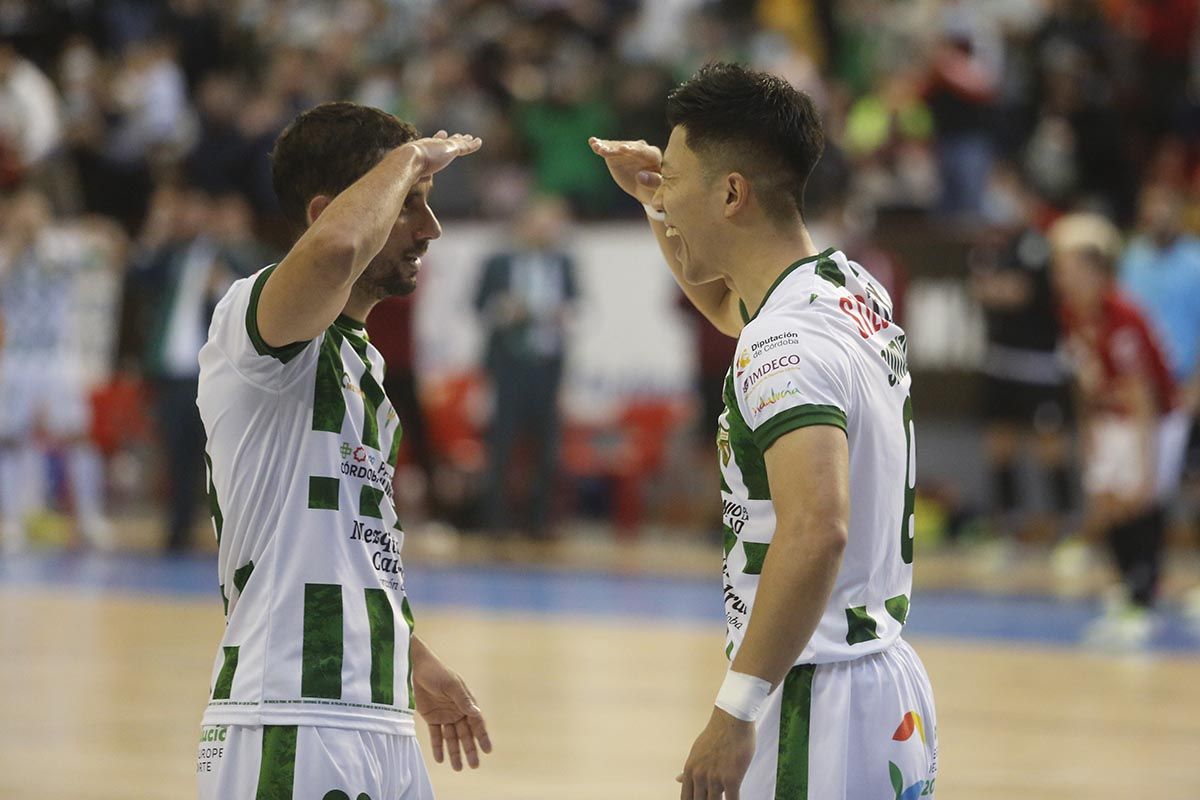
{"x": 824, "y": 535}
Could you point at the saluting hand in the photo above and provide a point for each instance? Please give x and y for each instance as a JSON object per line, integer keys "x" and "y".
{"x": 434, "y": 153}
{"x": 635, "y": 166}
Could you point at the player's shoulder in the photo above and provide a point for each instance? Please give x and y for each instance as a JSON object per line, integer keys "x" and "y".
{"x": 829, "y": 292}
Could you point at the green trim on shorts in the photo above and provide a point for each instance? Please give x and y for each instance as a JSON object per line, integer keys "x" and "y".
{"x": 277, "y": 768}
{"x": 791, "y": 769}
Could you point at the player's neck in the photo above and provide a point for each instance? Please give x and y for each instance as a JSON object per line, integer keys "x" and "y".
{"x": 762, "y": 259}
{"x": 358, "y": 307}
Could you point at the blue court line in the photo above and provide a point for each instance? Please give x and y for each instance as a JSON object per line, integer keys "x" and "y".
{"x": 934, "y": 614}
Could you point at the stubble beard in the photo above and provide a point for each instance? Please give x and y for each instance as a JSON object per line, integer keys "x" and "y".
{"x": 390, "y": 277}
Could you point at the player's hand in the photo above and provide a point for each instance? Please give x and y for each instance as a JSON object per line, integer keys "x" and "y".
{"x": 719, "y": 759}
{"x": 436, "y": 152}
{"x": 635, "y": 166}
{"x": 456, "y": 725}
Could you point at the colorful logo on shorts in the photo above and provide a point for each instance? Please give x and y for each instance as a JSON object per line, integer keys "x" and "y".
{"x": 743, "y": 361}
{"x": 911, "y": 724}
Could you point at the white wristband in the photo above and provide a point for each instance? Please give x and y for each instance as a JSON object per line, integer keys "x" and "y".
{"x": 742, "y": 696}
{"x": 653, "y": 213}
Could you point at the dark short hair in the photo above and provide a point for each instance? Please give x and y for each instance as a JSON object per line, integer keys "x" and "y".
{"x": 327, "y": 148}
{"x": 755, "y": 123}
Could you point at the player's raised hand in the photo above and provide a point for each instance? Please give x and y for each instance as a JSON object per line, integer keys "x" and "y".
{"x": 635, "y": 166}
{"x": 437, "y": 151}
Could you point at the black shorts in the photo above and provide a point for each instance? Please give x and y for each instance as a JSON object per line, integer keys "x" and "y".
{"x": 1043, "y": 407}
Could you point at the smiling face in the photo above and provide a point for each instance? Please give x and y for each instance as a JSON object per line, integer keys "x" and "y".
{"x": 693, "y": 201}
{"x": 394, "y": 270}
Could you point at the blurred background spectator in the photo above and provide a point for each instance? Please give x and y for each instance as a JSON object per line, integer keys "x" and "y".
{"x": 44, "y": 367}
{"x": 958, "y": 131}
{"x": 525, "y": 297}
{"x": 1026, "y": 402}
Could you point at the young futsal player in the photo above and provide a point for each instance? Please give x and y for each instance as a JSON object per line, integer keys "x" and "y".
{"x": 823, "y": 698}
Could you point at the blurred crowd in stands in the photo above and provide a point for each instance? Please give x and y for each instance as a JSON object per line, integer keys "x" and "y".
{"x": 987, "y": 119}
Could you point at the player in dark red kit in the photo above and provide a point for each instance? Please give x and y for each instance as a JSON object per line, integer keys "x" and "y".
{"x": 1133, "y": 431}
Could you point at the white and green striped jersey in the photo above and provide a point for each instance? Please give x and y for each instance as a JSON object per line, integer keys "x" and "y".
{"x": 302, "y": 444}
{"x": 823, "y": 350}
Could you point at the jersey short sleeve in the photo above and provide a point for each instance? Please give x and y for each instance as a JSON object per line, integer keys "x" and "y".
{"x": 234, "y": 330}
{"x": 790, "y": 372}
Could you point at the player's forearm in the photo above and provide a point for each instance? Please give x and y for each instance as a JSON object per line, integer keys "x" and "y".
{"x": 712, "y": 299}
{"x": 311, "y": 285}
{"x": 797, "y": 579}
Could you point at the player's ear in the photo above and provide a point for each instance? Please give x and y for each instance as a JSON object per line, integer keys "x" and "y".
{"x": 737, "y": 193}
{"x": 316, "y": 206}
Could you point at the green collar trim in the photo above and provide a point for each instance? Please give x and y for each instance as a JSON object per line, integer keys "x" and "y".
{"x": 344, "y": 321}
{"x": 791, "y": 268}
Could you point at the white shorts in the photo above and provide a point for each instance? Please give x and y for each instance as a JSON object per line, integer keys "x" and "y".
{"x": 54, "y": 397}
{"x": 289, "y": 762}
{"x": 1114, "y": 466}
{"x": 851, "y": 730}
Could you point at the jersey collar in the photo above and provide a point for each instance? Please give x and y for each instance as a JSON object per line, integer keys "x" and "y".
{"x": 747, "y": 317}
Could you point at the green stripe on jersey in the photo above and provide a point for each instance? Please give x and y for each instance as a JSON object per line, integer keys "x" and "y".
{"x": 224, "y": 684}
{"x": 321, "y": 659}
{"x": 790, "y": 419}
{"x": 791, "y": 769}
{"x": 897, "y": 607}
{"x": 394, "y": 447}
{"x": 729, "y": 538}
{"x": 741, "y": 441}
{"x": 756, "y": 555}
{"x": 406, "y": 610}
{"x": 369, "y": 500}
{"x": 241, "y": 575}
{"x": 329, "y": 403}
{"x": 860, "y": 626}
{"x": 323, "y": 492}
{"x": 214, "y": 507}
{"x": 383, "y": 646}
{"x": 277, "y": 767}
{"x": 373, "y": 397}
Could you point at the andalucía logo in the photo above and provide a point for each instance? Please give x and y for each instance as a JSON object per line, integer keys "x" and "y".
{"x": 923, "y": 788}
{"x": 743, "y": 361}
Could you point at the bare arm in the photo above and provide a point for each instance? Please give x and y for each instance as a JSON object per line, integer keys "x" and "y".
{"x": 808, "y": 471}
{"x": 309, "y": 288}
{"x": 636, "y": 167}
{"x": 456, "y": 725}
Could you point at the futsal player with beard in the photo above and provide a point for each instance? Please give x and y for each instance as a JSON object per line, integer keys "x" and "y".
{"x": 319, "y": 675}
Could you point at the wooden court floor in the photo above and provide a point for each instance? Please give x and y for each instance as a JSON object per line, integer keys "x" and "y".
{"x": 100, "y": 699}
